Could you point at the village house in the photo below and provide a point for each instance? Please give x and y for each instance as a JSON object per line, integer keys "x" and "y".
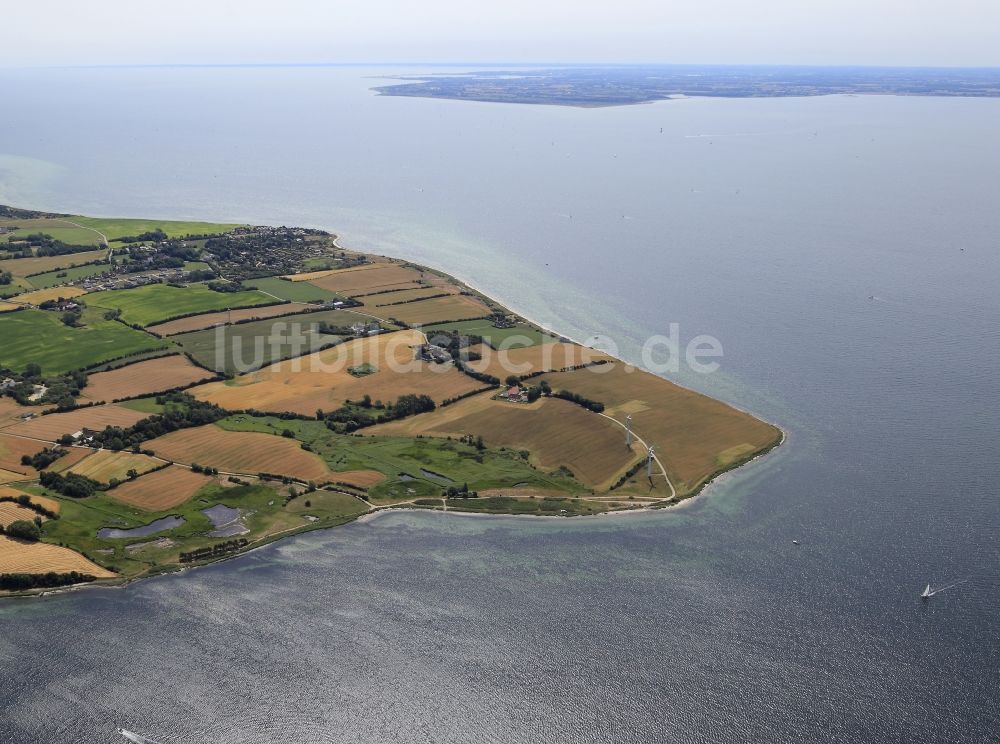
{"x": 84, "y": 436}
{"x": 433, "y": 353}
{"x": 514, "y": 394}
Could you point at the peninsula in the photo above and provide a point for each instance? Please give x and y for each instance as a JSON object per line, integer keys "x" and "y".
{"x": 620, "y": 85}
{"x": 175, "y": 393}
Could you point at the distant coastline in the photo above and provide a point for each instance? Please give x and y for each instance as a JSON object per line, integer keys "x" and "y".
{"x": 602, "y": 86}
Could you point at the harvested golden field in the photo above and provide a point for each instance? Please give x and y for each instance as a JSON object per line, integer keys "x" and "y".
{"x": 208, "y": 320}
{"x": 454, "y": 307}
{"x": 11, "y": 450}
{"x": 105, "y": 465}
{"x": 10, "y": 476}
{"x": 321, "y": 380}
{"x": 24, "y": 557}
{"x": 54, "y": 425}
{"x": 240, "y": 452}
{"x": 388, "y": 289}
{"x": 26, "y": 266}
{"x": 695, "y": 436}
{"x": 405, "y": 295}
{"x": 367, "y": 278}
{"x": 50, "y": 504}
{"x": 9, "y": 307}
{"x": 52, "y": 293}
{"x": 161, "y": 490}
{"x": 526, "y": 359}
{"x": 363, "y": 479}
{"x": 143, "y": 378}
{"x": 555, "y": 432}
{"x": 308, "y": 276}
{"x": 11, "y": 512}
{"x": 11, "y": 410}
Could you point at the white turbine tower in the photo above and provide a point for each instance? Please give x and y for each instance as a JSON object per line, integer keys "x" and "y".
{"x": 649, "y": 463}
{"x": 628, "y": 430}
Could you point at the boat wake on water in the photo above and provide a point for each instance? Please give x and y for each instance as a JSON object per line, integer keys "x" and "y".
{"x": 929, "y": 592}
{"x": 137, "y": 738}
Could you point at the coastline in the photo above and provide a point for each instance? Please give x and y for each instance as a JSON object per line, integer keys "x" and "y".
{"x": 676, "y": 501}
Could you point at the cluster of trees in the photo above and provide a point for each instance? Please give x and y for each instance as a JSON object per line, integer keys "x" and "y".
{"x": 461, "y": 492}
{"x": 333, "y": 330}
{"x": 200, "y": 275}
{"x": 206, "y": 469}
{"x": 628, "y": 474}
{"x": 24, "y": 529}
{"x": 71, "y": 318}
{"x": 590, "y": 405}
{"x": 25, "y": 501}
{"x": 73, "y": 485}
{"x": 41, "y": 460}
{"x": 230, "y": 546}
{"x": 151, "y": 236}
{"x": 60, "y": 389}
{"x": 456, "y": 344}
{"x": 6, "y": 278}
{"x": 170, "y": 255}
{"x": 46, "y": 245}
{"x": 182, "y": 412}
{"x": 228, "y": 287}
{"x": 463, "y": 396}
{"x": 472, "y": 441}
{"x": 154, "y": 262}
{"x": 354, "y": 415}
{"x": 482, "y": 377}
{"x": 13, "y": 582}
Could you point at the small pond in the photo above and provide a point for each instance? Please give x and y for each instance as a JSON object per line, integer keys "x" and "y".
{"x": 160, "y": 525}
{"x": 226, "y": 520}
{"x": 436, "y": 476}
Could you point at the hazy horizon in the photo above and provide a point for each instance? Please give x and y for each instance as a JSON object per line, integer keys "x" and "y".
{"x": 893, "y": 33}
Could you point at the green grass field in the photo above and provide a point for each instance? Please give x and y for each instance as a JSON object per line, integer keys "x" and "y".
{"x": 60, "y": 231}
{"x": 117, "y": 228}
{"x": 16, "y": 287}
{"x": 525, "y": 335}
{"x": 144, "y": 405}
{"x": 154, "y": 303}
{"x": 393, "y": 456}
{"x": 294, "y": 291}
{"x": 41, "y": 337}
{"x": 52, "y": 278}
{"x": 320, "y": 264}
{"x": 267, "y": 513}
{"x": 242, "y": 337}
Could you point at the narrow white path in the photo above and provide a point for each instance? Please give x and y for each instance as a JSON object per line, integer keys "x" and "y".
{"x": 656, "y": 458}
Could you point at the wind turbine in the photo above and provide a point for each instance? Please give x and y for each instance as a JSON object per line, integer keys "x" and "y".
{"x": 649, "y": 463}
{"x": 628, "y": 430}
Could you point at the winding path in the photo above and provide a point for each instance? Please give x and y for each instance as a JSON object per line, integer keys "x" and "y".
{"x": 656, "y": 458}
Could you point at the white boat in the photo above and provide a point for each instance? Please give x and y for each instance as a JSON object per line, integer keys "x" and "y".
{"x": 134, "y": 737}
{"x": 927, "y": 593}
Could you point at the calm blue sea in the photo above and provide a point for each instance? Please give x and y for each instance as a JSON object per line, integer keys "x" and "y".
{"x": 845, "y": 252}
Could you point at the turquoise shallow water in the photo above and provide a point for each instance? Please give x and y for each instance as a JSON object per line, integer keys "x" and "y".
{"x": 842, "y": 249}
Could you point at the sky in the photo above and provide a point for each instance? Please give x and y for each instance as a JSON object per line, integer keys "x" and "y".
{"x": 875, "y": 32}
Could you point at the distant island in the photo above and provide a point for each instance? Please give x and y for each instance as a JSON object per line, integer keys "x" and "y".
{"x": 624, "y": 85}
{"x": 175, "y": 393}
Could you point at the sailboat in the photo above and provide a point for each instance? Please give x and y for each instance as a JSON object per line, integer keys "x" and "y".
{"x": 927, "y": 594}
{"x": 132, "y": 736}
